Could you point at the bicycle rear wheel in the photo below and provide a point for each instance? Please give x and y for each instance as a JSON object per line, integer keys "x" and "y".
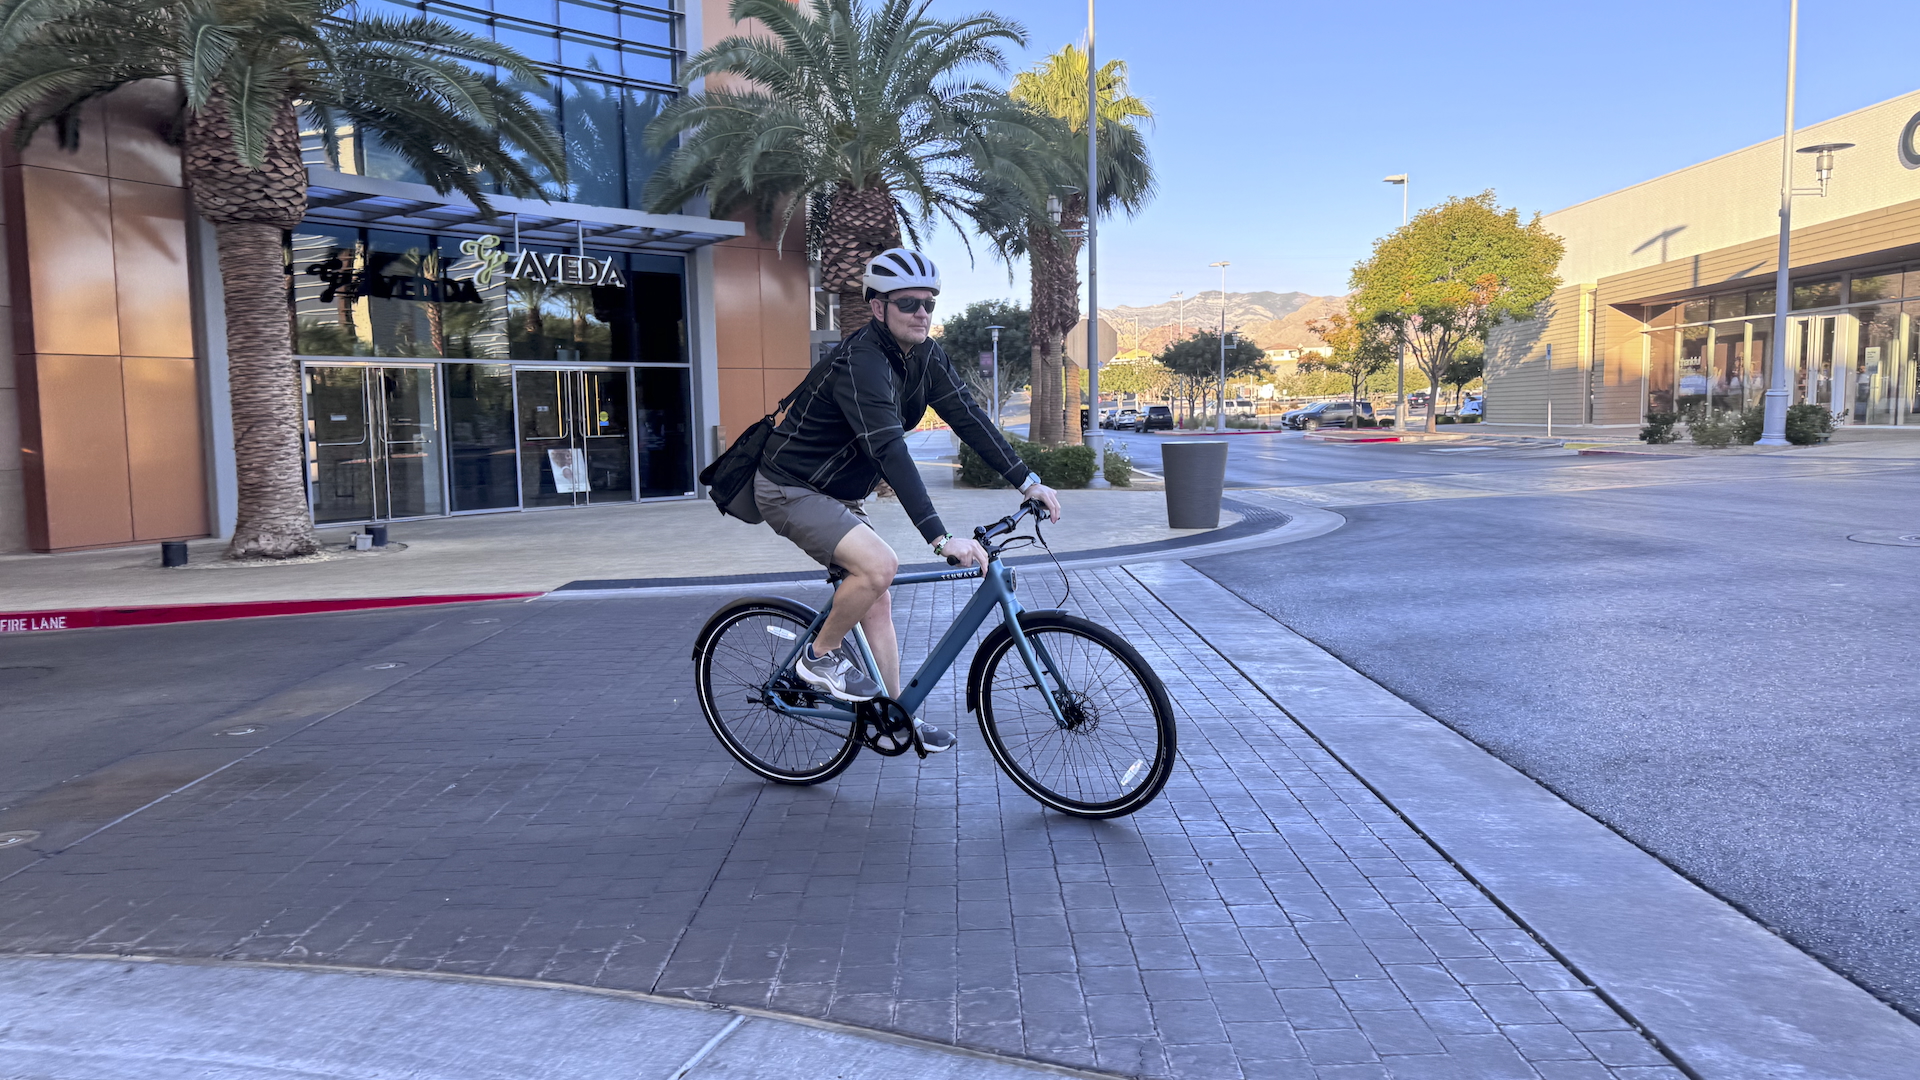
{"x": 1118, "y": 747}
{"x": 737, "y": 655}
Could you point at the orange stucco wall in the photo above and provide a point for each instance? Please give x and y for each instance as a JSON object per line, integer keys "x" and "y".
{"x": 103, "y": 353}
{"x": 760, "y": 298}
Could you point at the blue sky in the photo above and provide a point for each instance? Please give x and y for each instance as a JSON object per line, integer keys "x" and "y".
{"x": 1276, "y": 121}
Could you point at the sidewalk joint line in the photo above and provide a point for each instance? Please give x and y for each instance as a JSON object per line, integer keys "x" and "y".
{"x": 713, "y": 1044}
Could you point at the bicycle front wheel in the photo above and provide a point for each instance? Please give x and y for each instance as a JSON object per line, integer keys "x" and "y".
{"x": 737, "y": 665}
{"x": 1117, "y": 747}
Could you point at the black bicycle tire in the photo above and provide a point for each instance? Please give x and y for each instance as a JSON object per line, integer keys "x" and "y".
{"x": 1166, "y": 752}
{"x": 727, "y": 618}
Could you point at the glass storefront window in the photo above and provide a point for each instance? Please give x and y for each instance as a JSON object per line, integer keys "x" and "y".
{"x": 1730, "y": 306}
{"x": 1760, "y": 302}
{"x": 1691, "y": 382}
{"x": 1816, "y": 294}
{"x": 1867, "y": 289}
{"x": 1662, "y": 314}
{"x": 1877, "y": 367}
{"x": 480, "y": 442}
{"x": 591, "y": 17}
{"x": 1728, "y": 371}
{"x": 639, "y": 107}
{"x": 1693, "y": 311}
{"x": 1660, "y": 350}
{"x": 666, "y": 445}
{"x": 590, "y": 115}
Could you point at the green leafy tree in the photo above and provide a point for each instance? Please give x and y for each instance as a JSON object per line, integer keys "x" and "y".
{"x": 1140, "y": 376}
{"x": 965, "y": 337}
{"x": 1195, "y": 364}
{"x": 1452, "y": 274}
{"x": 1362, "y": 349}
{"x": 252, "y": 74}
{"x": 861, "y": 114}
{"x": 1465, "y": 369}
{"x": 1056, "y": 88}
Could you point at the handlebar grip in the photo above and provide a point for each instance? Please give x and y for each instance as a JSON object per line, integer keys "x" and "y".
{"x": 951, "y": 561}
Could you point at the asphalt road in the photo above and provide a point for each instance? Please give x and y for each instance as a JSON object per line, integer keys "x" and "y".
{"x": 1713, "y": 669}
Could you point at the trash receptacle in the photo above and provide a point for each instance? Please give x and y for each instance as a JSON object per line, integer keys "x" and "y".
{"x": 1196, "y": 473}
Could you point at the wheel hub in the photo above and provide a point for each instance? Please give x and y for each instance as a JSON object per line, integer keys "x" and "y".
{"x": 1078, "y": 711}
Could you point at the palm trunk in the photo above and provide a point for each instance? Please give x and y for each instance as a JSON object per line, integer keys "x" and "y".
{"x": 1044, "y": 414}
{"x": 862, "y": 223}
{"x": 249, "y": 208}
{"x": 273, "y": 520}
{"x": 1070, "y": 433}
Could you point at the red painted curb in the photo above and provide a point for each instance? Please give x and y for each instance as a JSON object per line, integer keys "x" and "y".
{"x": 83, "y": 618}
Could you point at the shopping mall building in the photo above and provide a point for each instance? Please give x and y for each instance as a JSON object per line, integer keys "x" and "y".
{"x": 1668, "y": 299}
{"x": 449, "y": 362}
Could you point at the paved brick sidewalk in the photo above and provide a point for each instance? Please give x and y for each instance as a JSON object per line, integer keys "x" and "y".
{"x": 548, "y": 804}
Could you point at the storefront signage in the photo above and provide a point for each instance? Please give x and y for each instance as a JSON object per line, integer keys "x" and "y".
{"x": 430, "y": 286}
{"x": 524, "y": 265}
{"x": 1910, "y": 143}
{"x": 566, "y": 270}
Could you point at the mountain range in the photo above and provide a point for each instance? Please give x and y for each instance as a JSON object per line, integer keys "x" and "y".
{"x": 1274, "y": 320}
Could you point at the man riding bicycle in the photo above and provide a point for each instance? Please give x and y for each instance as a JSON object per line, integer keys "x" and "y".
{"x": 837, "y": 443}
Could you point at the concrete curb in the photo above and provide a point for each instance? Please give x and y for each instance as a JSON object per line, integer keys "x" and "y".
{"x": 1725, "y": 997}
{"x": 1269, "y": 528}
{"x": 91, "y": 1017}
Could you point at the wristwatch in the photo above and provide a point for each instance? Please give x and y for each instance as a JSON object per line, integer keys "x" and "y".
{"x": 1032, "y": 479}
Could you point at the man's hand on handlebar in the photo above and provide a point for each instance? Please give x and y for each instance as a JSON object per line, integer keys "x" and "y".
{"x": 963, "y": 552}
{"x": 1047, "y": 497}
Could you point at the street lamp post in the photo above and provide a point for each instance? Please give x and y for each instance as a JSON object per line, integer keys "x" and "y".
{"x": 1094, "y": 440}
{"x": 1773, "y": 431}
{"x": 995, "y": 330}
{"x": 1400, "y": 406}
{"x": 1220, "y": 421}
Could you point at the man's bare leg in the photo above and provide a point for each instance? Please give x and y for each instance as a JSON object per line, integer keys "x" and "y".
{"x": 870, "y": 565}
{"x": 884, "y": 642}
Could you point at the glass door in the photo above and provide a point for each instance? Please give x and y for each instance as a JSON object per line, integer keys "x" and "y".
{"x": 373, "y": 443}
{"x": 1812, "y": 359}
{"x": 576, "y": 443}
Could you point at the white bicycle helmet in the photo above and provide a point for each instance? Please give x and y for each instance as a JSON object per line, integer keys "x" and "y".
{"x": 900, "y": 268}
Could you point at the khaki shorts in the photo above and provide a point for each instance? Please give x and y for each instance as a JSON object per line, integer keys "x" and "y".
{"x": 816, "y": 523}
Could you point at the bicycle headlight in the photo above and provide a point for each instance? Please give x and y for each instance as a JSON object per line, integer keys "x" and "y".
{"x": 1012, "y": 578}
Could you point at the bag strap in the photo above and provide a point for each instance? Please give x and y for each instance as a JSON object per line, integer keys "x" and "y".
{"x": 813, "y": 378}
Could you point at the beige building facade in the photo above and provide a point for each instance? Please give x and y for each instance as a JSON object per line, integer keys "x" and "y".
{"x": 1668, "y": 302}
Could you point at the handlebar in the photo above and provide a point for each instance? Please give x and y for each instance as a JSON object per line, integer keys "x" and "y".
{"x": 984, "y": 534}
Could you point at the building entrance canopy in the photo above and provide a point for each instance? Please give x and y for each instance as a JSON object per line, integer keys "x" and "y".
{"x": 342, "y": 199}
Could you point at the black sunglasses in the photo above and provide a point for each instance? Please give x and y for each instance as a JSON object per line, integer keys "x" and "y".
{"x": 910, "y": 304}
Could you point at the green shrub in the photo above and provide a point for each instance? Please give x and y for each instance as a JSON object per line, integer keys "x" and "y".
{"x": 1751, "y": 423}
{"x": 1446, "y": 419}
{"x": 1711, "y": 429}
{"x": 1659, "y": 428}
{"x": 1807, "y": 423}
{"x": 1062, "y": 467}
{"x": 1467, "y": 419}
{"x": 1119, "y": 465}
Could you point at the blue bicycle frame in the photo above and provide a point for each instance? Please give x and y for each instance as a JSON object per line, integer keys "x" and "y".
{"x": 996, "y": 591}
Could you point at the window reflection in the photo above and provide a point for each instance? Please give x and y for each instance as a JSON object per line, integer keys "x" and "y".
{"x": 357, "y": 292}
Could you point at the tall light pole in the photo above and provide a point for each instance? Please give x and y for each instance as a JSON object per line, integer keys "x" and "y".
{"x": 1220, "y": 421}
{"x": 1181, "y": 299}
{"x": 996, "y": 375}
{"x": 1400, "y": 406}
{"x": 1773, "y": 431}
{"x": 1094, "y": 439}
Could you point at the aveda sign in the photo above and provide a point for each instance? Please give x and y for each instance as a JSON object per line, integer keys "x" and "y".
{"x": 524, "y": 265}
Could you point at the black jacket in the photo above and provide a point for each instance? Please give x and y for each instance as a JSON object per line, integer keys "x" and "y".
{"x": 848, "y": 429}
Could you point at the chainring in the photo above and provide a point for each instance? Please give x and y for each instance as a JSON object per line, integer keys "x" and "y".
{"x": 885, "y": 721}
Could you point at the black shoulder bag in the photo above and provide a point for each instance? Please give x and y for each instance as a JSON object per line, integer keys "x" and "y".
{"x": 729, "y": 480}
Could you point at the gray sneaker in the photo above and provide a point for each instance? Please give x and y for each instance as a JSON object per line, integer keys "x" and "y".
{"x": 936, "y": 740}
{"x": 837, "y": 674}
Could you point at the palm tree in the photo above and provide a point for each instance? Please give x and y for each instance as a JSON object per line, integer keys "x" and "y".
{"x": 1057, "y": 88}
{"x": 858, "y": 114}
{"x": 253, "y": 74}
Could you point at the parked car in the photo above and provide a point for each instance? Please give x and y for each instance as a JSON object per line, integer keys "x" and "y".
{"x": 1418, "y": 399}
{"x": 1124, "y": 420}
{"x": 1157, "y": 418}
{"x": 1472, "y": 407}
{"x": 1327, "y": 414}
